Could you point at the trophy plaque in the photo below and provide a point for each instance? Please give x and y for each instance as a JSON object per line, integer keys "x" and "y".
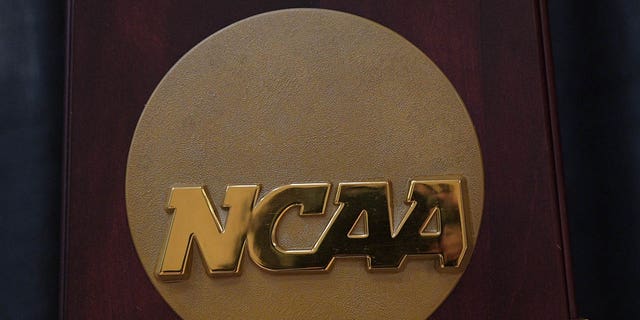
{"x": 312, "y": 160}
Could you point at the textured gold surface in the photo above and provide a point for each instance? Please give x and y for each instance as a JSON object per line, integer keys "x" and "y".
{"x": 300, "y": 96}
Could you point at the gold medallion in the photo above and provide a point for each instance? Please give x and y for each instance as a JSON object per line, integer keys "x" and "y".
{"x": 304, "y": 163}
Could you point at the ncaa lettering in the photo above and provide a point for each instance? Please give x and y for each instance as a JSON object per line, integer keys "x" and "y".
{"x": 432, "y": 227}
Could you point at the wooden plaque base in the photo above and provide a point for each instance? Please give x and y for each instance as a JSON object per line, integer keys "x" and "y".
{"x": 496, "y": 54}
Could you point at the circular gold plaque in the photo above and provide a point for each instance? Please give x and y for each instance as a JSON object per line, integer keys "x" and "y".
{"x": 300, "y": 96}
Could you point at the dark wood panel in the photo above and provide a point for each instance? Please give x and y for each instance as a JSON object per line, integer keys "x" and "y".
{"x": 492, "y": 51}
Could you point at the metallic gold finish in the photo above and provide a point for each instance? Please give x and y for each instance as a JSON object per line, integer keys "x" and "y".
{"x": 293, "y": 98}
{"x": 195, "y": 220}
{"x": 384, "y": 247}
{"x": 354, "y": 232}
{"x": 264, "y": 247}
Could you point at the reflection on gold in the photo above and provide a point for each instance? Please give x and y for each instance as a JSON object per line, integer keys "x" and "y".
{"x": 446, "y": 197}
{"x": 195, "y": 220}
{"x": 433, "y": 227}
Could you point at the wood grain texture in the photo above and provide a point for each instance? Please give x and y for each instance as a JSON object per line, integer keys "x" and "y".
{"x": 492, "y": 51}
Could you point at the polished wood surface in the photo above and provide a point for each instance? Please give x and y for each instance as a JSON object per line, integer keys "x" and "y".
{"x": 494, "y": 52}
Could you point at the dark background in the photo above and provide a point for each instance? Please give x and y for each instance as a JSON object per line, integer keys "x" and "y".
{"x": 596, "y": 48}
